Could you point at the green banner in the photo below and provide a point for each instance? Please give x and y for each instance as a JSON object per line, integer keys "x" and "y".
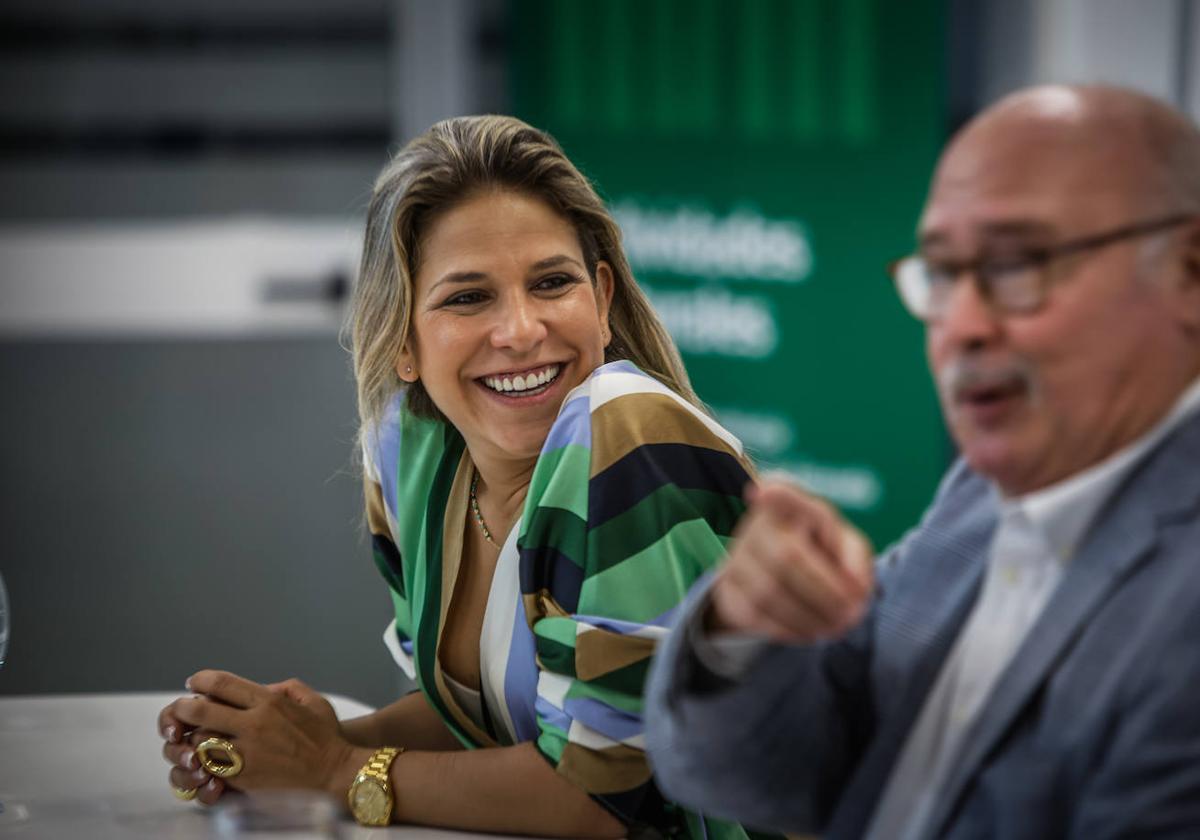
{"x": 765, "y": 159}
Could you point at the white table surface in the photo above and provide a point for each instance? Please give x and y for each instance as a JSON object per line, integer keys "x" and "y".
{"x": 91, "y": 766}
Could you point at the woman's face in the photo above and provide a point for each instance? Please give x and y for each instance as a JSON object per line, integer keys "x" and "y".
{"x": 505, "y": 321}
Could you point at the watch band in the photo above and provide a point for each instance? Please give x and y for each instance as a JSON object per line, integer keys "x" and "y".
{"x": 380, "y": 763}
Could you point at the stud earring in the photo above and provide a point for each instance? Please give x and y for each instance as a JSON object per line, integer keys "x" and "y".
{"x": 408, "y": 369}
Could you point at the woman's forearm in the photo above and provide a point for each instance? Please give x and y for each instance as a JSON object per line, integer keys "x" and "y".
{"x": 499, "y": 790}
{"x": 410, "y": 722}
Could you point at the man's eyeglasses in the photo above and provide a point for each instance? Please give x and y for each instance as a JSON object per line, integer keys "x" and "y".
{"x": 1011, "y": 284}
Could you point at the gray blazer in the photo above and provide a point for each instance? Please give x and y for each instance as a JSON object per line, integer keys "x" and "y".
{"x": 1093, "y": 730}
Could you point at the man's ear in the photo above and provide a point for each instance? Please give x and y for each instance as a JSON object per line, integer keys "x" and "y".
{"x": 406, "y": 367}
{"x": 604, "y": 295}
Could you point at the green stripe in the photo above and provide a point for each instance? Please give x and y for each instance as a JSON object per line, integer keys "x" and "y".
{"x": 561, "y": 630}
{"x": 630, "y": 679}
{"x": 646, "y": 522}
{"x": 403, "y": 616}
{"x": 430, "y": 605}
{"x": 555, "y": 656}
{"x": 649, "y": 582}
{"x": 551, "y": 742}
{"x": 560, "y": 480}
{"x": 555, "y": 641}
{"x": 622, "y": 699}
{"x": 559, "y": 529}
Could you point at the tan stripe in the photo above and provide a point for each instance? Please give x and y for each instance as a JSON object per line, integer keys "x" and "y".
{"x": 377, "y": 520}
{"x": 452, "y": 549}
{"x": 625, "y": 423}
{"x": 610, "y": 770}
{"x": 541, "y": 604}
{"x": 599, "y": 652}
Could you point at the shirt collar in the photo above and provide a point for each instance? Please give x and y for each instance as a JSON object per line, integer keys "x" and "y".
{"x": 1063, "y": 511}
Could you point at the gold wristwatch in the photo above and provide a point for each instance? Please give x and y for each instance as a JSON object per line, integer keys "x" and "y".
{"x": 370, "y": 794}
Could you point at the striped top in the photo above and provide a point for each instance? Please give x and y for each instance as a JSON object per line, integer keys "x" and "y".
{"x": 634, "y": 496}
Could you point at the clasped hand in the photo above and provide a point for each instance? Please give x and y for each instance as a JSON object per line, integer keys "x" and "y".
{"x": 287, "y": 734}
{"x": 797, "y": 571}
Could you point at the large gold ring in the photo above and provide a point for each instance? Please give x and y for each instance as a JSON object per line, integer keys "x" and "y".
{"x": 225, "y": 768}
{"x": 186, "y": 794}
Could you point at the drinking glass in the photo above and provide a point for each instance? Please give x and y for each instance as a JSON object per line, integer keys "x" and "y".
{"x": 278, "y": 815}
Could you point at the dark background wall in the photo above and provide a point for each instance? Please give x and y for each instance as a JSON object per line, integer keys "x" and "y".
{"x": 184, "y": 504}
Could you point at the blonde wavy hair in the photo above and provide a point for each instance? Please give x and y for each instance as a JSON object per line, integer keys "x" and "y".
{"x": 443, "y": 167}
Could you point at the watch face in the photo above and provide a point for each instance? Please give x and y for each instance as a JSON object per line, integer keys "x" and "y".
{"x": 369, "y": 801}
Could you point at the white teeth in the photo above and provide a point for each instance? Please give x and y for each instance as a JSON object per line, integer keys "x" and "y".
{"x": 526, "y": 382}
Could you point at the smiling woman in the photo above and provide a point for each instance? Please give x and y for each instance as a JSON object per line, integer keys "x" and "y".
{"x": 542, "y": 488}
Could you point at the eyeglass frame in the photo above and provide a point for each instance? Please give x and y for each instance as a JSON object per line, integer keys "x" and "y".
{"x": 1035, "y": 258}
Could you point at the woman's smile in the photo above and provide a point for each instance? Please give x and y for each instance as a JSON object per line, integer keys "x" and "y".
{"x": 522, "y": 385}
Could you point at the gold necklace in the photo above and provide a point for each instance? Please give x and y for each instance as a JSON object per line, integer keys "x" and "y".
{"x": 487, "y": 535}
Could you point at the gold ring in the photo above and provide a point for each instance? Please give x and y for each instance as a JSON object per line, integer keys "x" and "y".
{"x": 186, "y": 794}
{"x": 227, "y": 768}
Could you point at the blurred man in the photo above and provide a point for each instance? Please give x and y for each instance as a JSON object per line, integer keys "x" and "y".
{"x": 1026, "y": 662}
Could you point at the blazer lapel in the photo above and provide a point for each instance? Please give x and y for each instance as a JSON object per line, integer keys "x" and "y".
{"x": 950, "y": 554}
{"x": 1124, "y": 536}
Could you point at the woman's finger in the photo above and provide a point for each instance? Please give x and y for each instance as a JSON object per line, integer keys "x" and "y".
{"x": 170, "y": 727}
{"x": 187, "y": 779}
{"x": 228, "y": 688}
{"x": 211, "y": 791}
{"x": 181, "y": 755}
{"x": 295, "y": 690}
{"x": 208, "y": 789}
{"x": 202, "y": 713}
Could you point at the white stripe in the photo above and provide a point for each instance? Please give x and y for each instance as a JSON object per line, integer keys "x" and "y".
{"x": 495, "y": 637}
{"x": 553, "y": 688}
{"x": 610, "y": 386}
{"x": 393, "y": 645}
{"x": 585, "y": 736}
{"x": 368, "y": 458}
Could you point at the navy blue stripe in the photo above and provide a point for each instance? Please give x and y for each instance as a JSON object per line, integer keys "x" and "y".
{"x": 387, "y": 559}
{"x": 544, "y": 567}
{"x": 649, "y": 467}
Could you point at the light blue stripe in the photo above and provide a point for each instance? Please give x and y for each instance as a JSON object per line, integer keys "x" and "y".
{"x": 385, "y": 443}
{"x": 603, "y": 718}
{"x": 552, "y": 714}
{"x": 521, "y": 676}
{"x": 573, "y": 426}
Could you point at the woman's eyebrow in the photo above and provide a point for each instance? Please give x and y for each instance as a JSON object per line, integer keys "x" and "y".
{"x": 551, "y": 262}
{"x": 459, "y": 277}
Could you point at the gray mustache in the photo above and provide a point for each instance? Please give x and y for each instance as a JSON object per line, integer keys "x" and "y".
{"x": 967, "y": 373}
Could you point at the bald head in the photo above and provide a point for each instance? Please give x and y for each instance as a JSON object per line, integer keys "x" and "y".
{"x": 1120, "y": 139}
